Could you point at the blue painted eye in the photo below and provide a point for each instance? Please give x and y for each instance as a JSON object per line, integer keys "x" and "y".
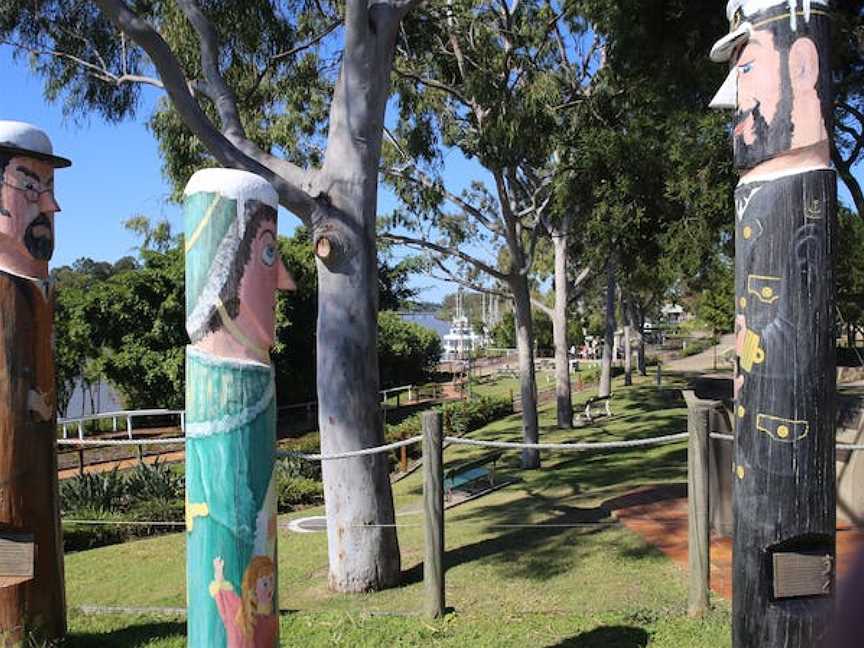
{"x": 746, "y": 68}
{"x": 268, "y": 255}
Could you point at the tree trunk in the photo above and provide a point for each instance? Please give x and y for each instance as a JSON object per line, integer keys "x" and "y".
{"x": 640, "y": 354}
{"x": 363, "y": 550}
{"x": 527, "y": 379}
{"x": 28, "y": 467}
{"x": 563, "y": 396}
{"x": 605, "y": 386}
{"x": 628, "y": 354}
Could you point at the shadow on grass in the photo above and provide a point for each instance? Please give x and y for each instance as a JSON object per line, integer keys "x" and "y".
{"x": 130, "y": 636}
{"x": 607, "y": 637}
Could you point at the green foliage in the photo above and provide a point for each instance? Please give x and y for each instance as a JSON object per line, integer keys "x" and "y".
{"x": 716, "y": 303}
{"x": 504, "y": 332}
{"x": 407, "y": 352}
{"x": 850, "y": 272}
{"x": 459, "y": 418}
{"x": 105, "y": 492}
{"x": 298, "y": 492}
{"x": 463, "y": 417}
{"x": 156, "y": 481}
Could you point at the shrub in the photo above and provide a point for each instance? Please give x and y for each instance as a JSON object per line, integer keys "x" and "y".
{"x": 459, "y": 417}
{"x": 105, "y": 492}
{"x": 155, "y": 481}
{"x": 407, "y": 352}
{"x": 294, "y": 492}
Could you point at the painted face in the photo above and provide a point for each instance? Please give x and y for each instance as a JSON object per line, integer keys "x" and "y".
{"x": 762, "y": 127}
{"x": 27, "y": 207}
{"x": 264, "y": 590}
{"x": 263, "y": 276}
{"x": 779, "y": 104}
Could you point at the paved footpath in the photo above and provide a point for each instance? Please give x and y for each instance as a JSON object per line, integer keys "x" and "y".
{"x": 659, "y": 514}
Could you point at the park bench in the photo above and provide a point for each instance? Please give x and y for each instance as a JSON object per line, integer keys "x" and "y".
{"x": 462, "y": 475}
{"x": 596, "y": 401}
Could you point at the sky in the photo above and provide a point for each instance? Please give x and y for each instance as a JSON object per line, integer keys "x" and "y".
{"x": 116, "y": 173}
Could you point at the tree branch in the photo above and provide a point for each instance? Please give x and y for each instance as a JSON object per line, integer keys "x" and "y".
{"x": 96, "y": 71}
{"x": 446, "y": 251}
{"x": 287, "y": 179}
{"x": 465, "y": 283}
{"x": 215, "y": 88}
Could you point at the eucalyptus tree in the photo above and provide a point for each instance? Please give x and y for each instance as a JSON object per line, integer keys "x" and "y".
{"x": 292, "y": 90}
{"x": 490, "y": 80}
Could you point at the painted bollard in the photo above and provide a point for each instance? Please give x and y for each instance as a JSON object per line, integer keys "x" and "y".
{"x": 32, "y": 593}
{"x": 784, "y": 488}
{"x": 233, "y": 270}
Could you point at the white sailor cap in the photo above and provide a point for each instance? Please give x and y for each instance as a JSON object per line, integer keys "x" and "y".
{"x": 739, "y": 13}
{"x": 19, "y": 138}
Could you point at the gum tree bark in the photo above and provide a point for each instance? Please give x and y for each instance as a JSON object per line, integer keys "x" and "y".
{"x": 338, "y": 203}
{"x": 563, "y": 395}
{"x": 605, "y": 386}
{"x": 527, "y": 378}
{"x": 356, "y": 491}
{"x": 627, "y": 314}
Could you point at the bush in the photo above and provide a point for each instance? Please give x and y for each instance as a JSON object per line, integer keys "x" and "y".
{"x": 155, "y": 481}
{"x": 466, "y": 416}
{"x": 105, "y": 492}
{"x": 407, "y": 352}
{"x": 459, "y": 417}
{"x": 295, "y": 492}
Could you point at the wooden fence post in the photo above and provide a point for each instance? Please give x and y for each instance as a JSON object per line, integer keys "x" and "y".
{"x": 698, "y": 540}
{"x": 659, "y": 378}
{"x": 433, "y": 508}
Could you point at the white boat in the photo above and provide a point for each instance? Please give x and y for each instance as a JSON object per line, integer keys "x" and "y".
{"x": 462, "y": 340}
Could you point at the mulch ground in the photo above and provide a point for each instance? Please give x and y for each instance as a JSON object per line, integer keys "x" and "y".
{"x": 659, "y": 514}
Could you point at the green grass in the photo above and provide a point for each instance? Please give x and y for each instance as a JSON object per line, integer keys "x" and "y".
{"x": 594, "y": 586}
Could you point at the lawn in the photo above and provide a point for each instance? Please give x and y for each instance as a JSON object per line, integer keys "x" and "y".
{"x": 586, "y": 582}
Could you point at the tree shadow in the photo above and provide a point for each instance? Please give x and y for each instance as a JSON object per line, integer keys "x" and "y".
{"x": 129, "y": 637}
{"x": 607, "y": 637}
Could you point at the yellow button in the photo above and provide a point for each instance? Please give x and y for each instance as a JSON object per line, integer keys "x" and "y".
{"x": 767, "y": 293}
{"x": 741, "y": 411}
{"x": 742, "y": 302}
{"x": 740, "y": 472}
{"x": 782, "y": 431}
{"x": 748, "y": 231}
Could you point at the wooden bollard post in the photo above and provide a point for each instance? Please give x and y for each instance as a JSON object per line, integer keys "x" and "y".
{"x": 232, "y": 272}
{"x": 404, "y": 459}
{"x": 784, "y": 489}
{"x": 659, "y": 377}
{"x": 698, "y": 537}
{"x": 32, "y": 592}
{"x": 433, "y": 508}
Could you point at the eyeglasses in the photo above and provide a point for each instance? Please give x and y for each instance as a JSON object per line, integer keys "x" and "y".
{"x": 32, "y": 191}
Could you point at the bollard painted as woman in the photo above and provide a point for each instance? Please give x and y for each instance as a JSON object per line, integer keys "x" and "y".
{"x": 233, "y": 271}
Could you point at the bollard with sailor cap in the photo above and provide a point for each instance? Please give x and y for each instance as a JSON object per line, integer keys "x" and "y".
{"x": 32, "y": 599}
{"x": 779, "y": 85}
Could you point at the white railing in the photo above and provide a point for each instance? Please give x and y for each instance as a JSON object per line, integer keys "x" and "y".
{"x": 80, "y": 421}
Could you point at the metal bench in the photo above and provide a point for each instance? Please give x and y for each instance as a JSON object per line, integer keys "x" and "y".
{"x": 461, "y": 475}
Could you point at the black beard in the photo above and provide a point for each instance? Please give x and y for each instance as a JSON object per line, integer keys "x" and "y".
{"x": 40, "y": 248}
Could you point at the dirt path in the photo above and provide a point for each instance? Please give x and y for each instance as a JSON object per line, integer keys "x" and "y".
{"x": 703, "y": 362}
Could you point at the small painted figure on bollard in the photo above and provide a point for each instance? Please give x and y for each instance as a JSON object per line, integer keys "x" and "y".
{"x": 779, "y": 84}
{"x": 31, "y": 575}
{"x": 233, "y": 270}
